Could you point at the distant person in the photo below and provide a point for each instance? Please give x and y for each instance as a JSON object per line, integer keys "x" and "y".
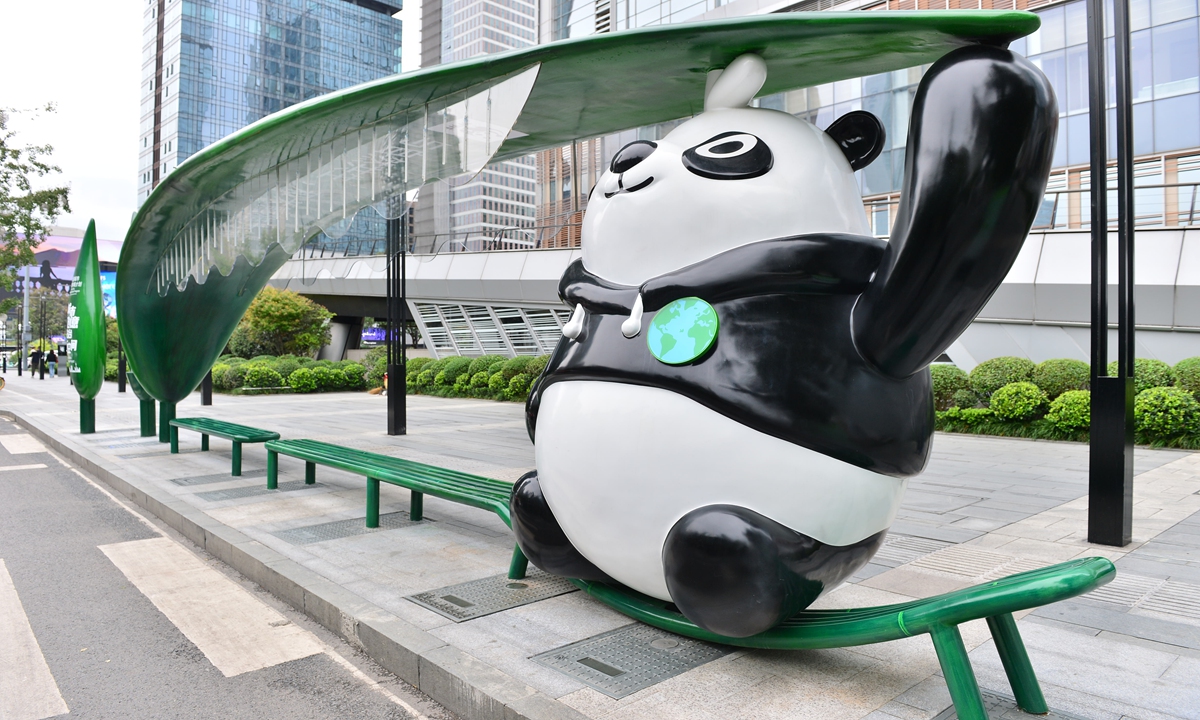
{"x": 35, "y": 360}
{"x": 52, "y": 363}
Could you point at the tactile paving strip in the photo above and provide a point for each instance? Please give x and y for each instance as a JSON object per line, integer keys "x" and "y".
{"x": 1003, "y": 707}
{"x": 900, "y": 549}
{"x": 477, "y": 598}
{"x": 339, "y": 529}
{"x": 245, "y": 492}
{"x": 622, "y": 661}
{"x": 219, "y": 477}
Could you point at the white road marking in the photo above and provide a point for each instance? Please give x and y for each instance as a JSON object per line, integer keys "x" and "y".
{"x": 27, "y": 689}
{"x": 236, "y": 631}
{"x": 35, "y": 466}
{"x": 21, "y": 443}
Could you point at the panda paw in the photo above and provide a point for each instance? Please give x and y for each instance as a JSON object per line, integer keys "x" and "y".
{"x": 541, "y": 537}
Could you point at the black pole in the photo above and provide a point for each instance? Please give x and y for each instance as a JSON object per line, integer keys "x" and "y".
{"x": 42, "y": 337}
{"x": 1110, "y": 476}
{"x": 397, "y": 317}
{"x": 206, "y": 389}
{"x": 120, "y": 366}
{"x": 21, "y": 341}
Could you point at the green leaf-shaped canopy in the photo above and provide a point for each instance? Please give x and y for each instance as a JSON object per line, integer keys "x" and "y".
{"x": 85, "y": 320}
{"x": 214, "y": 231}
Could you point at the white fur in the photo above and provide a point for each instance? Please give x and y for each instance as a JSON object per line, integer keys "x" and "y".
{"x": 620, "y": 464}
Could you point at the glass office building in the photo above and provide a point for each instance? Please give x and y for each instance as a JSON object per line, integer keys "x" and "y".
{"x": 211, "y": 67}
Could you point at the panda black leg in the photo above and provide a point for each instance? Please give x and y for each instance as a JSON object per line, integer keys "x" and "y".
{"x": 737, "y": 573}
{"x": 540, "y": 536}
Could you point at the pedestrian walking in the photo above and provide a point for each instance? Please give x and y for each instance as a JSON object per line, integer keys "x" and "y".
{"x": 35, "y": 360}
{"x": 52, "y": 363}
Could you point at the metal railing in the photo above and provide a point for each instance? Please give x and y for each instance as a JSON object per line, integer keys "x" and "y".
{"x": 536, "y": 237}
{"x": 1164, "y": 205}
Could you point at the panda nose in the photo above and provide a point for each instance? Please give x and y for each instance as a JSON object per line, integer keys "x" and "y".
{"x": 631, "y": 155}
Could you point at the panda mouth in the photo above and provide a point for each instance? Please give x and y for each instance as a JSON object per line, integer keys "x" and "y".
{"x": 622, "y": 189}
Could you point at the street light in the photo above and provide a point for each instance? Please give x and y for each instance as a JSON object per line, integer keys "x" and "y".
{"x": 42, "y": 336}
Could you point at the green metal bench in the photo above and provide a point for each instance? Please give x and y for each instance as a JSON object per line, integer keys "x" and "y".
{"x": 420, "y": 479}
{"x": 230, "y": 431}
{"x": 938, "y": 616}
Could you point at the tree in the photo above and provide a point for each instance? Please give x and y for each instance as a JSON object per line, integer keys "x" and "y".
{"x": 26, "y": 211}
{"x": 281, "y": 322}
{"x": 48, "y": 312}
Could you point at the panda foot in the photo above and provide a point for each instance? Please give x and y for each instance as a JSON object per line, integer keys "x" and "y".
{"x": 737, "y": 573}
{"x": 541, "y": 537}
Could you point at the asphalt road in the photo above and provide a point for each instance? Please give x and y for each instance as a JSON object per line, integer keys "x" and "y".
{"x": 106, "y": 615}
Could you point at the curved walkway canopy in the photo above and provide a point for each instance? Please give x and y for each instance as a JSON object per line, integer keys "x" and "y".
{"x": 216, "y": 229}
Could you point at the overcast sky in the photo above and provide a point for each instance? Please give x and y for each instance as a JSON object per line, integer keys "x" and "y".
{"x": 85, "y": 56}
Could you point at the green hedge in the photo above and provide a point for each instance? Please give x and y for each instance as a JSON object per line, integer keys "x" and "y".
{"x": 1018, "y": 401}
{"x": 1060, "y": 375}
{"x": 991, "y": 375}
{"x": 948, "y": 380}
{"x": 490, "y": 377}
{"x": 1147, "y": 374}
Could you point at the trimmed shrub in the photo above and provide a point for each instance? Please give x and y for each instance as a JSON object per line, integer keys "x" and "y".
{"x": 991, "y": 375}
{"x": 262, "y": 359}
{"x": 479, "y": 381}
{"x": 218, "y": 373}
{"x": 235, "y": 361}
{"x": 424, "y": 379}
{"x": 455, "y": 367}
{"x": 968, "y": 417}
{"x": 537, "y": 366}
{"x": 439, "y": 380}
{"x": 518, "y": 386}
{"x": 485, "y": 362}
{"x": 1147, "y": 374}
{"x": 1071, "y": 411}
{"x": 496, "y": 382}
{"x": 305, "y": 360}
{"x": 1056, "y": 377}
{"x": 328, "y": 378}
{"x": 302, "y": 380}
{"x": 285, "y": 365}
{"x": 416, "y": 364}
{"x": 1163, "y": 412}
{"x": 110, "y": 369}
{"x": 515, "y": 366}
{"x": 1018, "y": 401}
{"x": 354, "y": 374}
{"x": 234, "y": 376}
{"x": 260, "y": 375}
{"x": 1187, "y": 374}
{"x": 965, "y": 399}
{"x": 947, "y": 380}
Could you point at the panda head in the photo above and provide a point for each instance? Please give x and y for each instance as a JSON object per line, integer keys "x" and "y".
{"x": 732, "y": 175}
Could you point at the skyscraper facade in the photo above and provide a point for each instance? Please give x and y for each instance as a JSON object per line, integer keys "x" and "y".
{"x": 210, "y": 67}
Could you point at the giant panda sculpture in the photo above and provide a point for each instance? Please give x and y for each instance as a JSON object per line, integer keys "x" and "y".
{"x": 760, "y": 459}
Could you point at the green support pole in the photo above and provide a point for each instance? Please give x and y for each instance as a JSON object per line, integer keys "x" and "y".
{"x": 174, "y": 439}
{"x": 519, "y": 564}
{"x": 310, "y": 473}
{"x": 372, "y": 502}
{"x": 272, "y": 470}
{"x": 203, "y": 442}
{"x": 237, "y": 459}
{"x": 1024, "y": 683}
{"x": 147, "y": 417}
{"x": 87, "y": 416}
{"x": 960, "y": 678}
{"x": 166, "y": 413}
{"x": 416, "y": 506}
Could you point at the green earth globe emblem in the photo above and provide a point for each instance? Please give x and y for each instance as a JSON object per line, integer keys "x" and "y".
{"x": 682, "y": 331}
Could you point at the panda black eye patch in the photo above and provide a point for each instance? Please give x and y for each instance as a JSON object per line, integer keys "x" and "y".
{"x": 729, "y": 156}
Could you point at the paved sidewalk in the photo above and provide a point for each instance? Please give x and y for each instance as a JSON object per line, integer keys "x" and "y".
{"x": 986, "y": 507}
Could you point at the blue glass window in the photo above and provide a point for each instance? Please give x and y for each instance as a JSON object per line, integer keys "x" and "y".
{"x": 1175, "y": 123}
{"x": 1176, "y": 59}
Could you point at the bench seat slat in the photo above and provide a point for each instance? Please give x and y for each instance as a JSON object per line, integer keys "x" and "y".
{"x": 227, "y": 430}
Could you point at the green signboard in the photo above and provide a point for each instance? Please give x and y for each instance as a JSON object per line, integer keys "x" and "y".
{"x": 85, "y": 330}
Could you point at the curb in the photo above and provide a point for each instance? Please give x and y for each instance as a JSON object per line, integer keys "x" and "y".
{"x": 463, "y": 684}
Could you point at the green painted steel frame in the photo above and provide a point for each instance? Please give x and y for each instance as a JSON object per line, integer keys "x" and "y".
{"x": 222, "y": 429}
{"x": 585, "y": 87}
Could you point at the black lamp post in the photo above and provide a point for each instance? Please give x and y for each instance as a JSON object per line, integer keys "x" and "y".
{"x": 42, "y": 337}
{"x": 397, "y": 321}
{"x": 1110, "y": 472}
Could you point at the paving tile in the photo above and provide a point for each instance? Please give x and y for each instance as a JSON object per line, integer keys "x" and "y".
{"x": 1119, "y": 620}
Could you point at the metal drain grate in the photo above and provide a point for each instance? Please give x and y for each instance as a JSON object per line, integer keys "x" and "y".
{"x": 339, "y": 529}
{"x": 1004, "y": 707}
{"x": 219, "y": 477}
{"x": 469, "y": 600}
{"x": 622, "y": 661}
{"x": 898, "y": 550}
{"x": 245, "y": 492}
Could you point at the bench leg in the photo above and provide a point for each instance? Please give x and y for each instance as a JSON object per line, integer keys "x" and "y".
{"x": 519, "y": 564}
{"x": 416, "y": 506}
{"x": 372, "y": 502}
{"x": 203, "y": 442}
{"x": 174, "y": 435}
{"x": 1024, "y": 683}
{"x": 272, "y": 470}
{"x": 310, "y": 473}
{"x": 960, "y": 678}
{"x": 237, "y": 459}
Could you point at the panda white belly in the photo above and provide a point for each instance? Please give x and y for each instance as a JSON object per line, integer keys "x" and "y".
{"x": 620, "y": 464}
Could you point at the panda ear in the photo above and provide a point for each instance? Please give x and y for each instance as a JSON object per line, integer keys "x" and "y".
{"x": 737, "y": 84}
{"x": 860, "y": 135}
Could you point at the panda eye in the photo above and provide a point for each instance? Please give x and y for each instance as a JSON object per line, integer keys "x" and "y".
{"x": 729, "y": 156}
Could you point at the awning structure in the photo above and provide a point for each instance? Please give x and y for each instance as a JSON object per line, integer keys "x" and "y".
{"x": 216, "y": 229}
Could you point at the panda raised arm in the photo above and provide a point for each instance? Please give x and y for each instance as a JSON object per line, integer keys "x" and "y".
{"x": 980, "y": 147}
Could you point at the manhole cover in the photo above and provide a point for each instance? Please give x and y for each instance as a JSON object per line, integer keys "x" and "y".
{"x": 219, "y": 477}
{"x": 622, "y": 661}
{"x": 1004, "y": 707}
{"x": 245, "y": 492}
{"x": 477, "y": 598}
{"x": 339, "y": 529}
